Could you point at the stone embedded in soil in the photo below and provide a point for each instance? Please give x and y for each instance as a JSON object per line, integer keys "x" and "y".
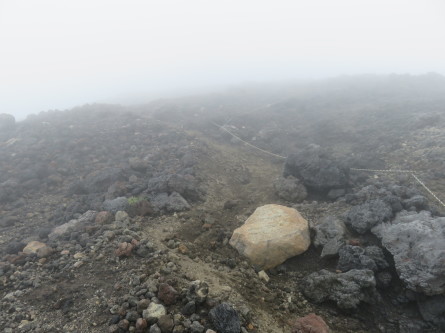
{"x": 124, "y": 249}
{"x": 41, "y": 249}
{"x": 272, "y": 234}
{"x": 347, "y": 290}
{"x": 310, "y": 324}
{"x": 225, "y": 319}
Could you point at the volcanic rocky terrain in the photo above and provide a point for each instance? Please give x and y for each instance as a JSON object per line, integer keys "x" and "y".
{"x": 120, "y": 219}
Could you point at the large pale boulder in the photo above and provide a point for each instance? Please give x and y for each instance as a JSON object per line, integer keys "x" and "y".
{"x": 272, "y": 234}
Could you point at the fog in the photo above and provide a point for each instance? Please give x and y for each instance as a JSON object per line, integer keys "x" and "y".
{"x": 59, "y": 54}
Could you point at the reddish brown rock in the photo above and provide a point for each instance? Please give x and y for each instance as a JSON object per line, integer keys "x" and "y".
{"x": 167, "y": 294}
{"x": 104, "y": 218}
{"x": 141, "y": 325}
{"x": 124, "y": 249}
{"x": 310, "y": 324}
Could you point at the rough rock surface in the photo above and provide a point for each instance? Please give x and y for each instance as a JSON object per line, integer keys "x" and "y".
{"x": 272, "y": 234}
{"x": 356, "y": 257}
{"x": 363, "y": 217}
{"x": 416, "y": 243}
{"x": 290, "y": 189}
{"x": 329, "y": 234}
{"x": 310, "y": 323}
{"x": 225, "y": 319}
{"x": 316, "y": 169}
{"x": 347, "y": 290}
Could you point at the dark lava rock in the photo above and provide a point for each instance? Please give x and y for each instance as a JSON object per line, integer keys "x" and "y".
{"x": 115, "y": 205}
{"x": 364, "y": 217}
{"x": 186, "y": 185}
{"x": 347, "y": 290}
{"x": 419, "y": 202}
{"x": 416, "y": 241}
{"x": 432, "y": 310}
{"x": 225, "y": 319}
{"x": 14, "y": 247}
{"x": 356, "y": 257}
{"x": 99, "y": 181}
{"x": 44, "y": 232}
{"x": 316, "y": 169}
{"x": 290, "y": 189}
{"x": 329, "y": 234}
{"x": 170, "y": 203}
{"x": 189, "y": 308}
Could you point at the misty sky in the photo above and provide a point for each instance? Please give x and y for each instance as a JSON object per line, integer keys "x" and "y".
{"x": 55, "y": 54}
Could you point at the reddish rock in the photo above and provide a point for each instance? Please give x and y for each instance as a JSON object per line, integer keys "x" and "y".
{"x": 166, "y": 323}
{"x": 104, "y": 218}
{"x": 310, "y": 324}
{"x": 124, "y": 249}
{"x": 141, "y": 325}
{"x": 167, "y": 294}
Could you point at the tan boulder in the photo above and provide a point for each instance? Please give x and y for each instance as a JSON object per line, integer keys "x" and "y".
{"x": 272, "y": 234}
{"x": 41, "y": 249}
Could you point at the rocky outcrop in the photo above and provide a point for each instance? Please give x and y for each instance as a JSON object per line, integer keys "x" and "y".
{"x": 347, "y": 290}
{"x": 272, "y": 234}
{"x": 356, "y": 257}
{"x": 316, "y": 169}
{"x": 329, "y": 234}
{"x": 416, "y": 242}
{"x": 290, "y": 189}
{"x": 363, "y": 217}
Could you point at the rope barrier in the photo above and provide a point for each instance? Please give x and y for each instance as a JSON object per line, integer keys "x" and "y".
{"x": 247, "y": 143}
{"x": 353, "y": 169}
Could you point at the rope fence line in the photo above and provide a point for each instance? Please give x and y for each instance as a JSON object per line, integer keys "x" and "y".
{"x": 247, "y": 143}
{"x": 353, "y": 169}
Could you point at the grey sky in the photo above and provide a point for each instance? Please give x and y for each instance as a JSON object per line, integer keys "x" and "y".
{"x": 62, "y": 53}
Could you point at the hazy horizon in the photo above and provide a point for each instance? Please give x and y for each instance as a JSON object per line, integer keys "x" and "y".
{"x": 57, "y": 55}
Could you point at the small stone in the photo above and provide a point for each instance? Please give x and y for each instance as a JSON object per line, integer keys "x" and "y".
{"x": 153, "y": 312}
{"x": 154, "y": 329}
{"x": 196, "y": 327}
{"x": 167, "y": 294}
{"x": 77, "y": 264}
{"x": 183, "y": 249}
{"x": 142, "y": 305}
{"x": 166, "y": 323}
{"x": 263, "y": 276}
{"x": 225, "y": 319}
{"x": 189, "y": 308}
{"x": 310, "y": 324}
{"x": 79, "y": 255}
{"x": 124, "y": 249}
{"x": 141, "y": 325}
{"x": 104, "y": 217}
